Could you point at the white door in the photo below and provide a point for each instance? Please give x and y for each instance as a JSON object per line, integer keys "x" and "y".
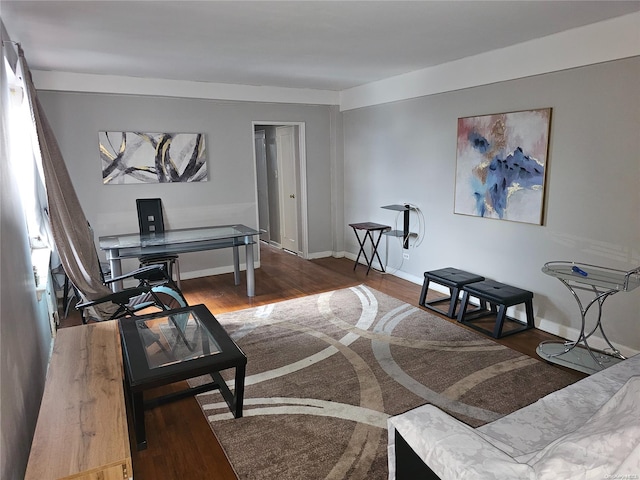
{"x": 263, "y": 186}
{"x": 288, "y": 172}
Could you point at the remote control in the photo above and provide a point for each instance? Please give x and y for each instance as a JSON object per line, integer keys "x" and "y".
{"x": 579, "y": 271}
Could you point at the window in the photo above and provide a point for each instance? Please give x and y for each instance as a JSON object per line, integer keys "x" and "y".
{"x": 23, "y": 146}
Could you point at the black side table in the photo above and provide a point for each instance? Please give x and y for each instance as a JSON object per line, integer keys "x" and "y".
{"x": 369, "y": 228}
{"x": 168, "y": 347}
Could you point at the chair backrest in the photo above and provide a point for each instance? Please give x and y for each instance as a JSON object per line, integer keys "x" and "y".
{"x": 150, "y": 218}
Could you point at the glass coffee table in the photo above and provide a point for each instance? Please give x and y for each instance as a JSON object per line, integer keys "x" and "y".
{"x": 168, "y": 347}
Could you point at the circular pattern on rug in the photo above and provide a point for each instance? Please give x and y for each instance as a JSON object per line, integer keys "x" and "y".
{"x": 325, "y": 372}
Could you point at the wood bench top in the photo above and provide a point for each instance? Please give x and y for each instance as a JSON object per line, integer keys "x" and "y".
{"x": 82, "y": 425}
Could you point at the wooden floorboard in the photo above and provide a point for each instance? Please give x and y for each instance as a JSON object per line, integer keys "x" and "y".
{"x": 181, "y": 444}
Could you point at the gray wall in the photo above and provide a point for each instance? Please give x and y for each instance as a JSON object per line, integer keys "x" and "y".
{"x": 25, "y": 335}
{"x": 230, "y": 194}
{"x": 406, "y": 152}
{"x": 401, "y": 152}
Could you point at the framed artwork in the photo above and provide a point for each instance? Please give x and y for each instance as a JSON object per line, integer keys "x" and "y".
{"x": 501, "y": 165}
{"x": 136, "y": 157}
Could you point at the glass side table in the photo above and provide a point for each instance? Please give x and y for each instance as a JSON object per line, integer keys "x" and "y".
{"x": 602, "y": 282}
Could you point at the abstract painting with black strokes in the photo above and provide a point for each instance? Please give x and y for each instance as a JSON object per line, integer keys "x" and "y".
{"x": 501, "y": 165}
{"x": 137, "y": 157}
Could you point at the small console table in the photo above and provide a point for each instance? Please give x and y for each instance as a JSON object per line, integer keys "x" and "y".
{"x": 603, "y": 282}
{"x": 369, "y": 228}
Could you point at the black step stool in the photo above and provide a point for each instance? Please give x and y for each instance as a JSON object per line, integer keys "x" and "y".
{"x": 452, "y": 278}
{"x": 500, "y": 296}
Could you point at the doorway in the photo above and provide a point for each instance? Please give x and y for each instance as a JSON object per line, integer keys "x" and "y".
{"x": 281, "y": 185}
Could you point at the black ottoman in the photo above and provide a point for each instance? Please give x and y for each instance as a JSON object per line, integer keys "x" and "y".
{"x": 499, "y": 296}
{"x": 452, "y": 278}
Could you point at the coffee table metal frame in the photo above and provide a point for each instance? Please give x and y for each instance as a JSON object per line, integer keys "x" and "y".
{"x": 140, "y": 377}
{"x": 603, "y": 282}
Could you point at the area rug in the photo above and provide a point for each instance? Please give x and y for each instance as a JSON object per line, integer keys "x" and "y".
{"x": 325, "y": 372}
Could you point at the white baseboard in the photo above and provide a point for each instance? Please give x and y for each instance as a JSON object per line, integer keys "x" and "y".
{"x": 213, "y": 271}
{"x": 397, "y": 273}
{"x": 572, "y": 333}
{"x": 518, "y": 313}
{"x": 549, "y": 326}
{"x": 317, "y": 255}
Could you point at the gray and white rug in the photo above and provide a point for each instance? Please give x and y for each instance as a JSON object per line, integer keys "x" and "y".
{"x": 325, "y": 372}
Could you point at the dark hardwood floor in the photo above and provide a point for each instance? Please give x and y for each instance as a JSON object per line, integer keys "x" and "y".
{"x": 181, "y": 445}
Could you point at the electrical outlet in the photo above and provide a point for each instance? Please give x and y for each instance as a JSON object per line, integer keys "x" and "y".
{"x": 405, "y": 256}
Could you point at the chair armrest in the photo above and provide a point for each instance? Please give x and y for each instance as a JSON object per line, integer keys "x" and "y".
{"x": 143, "y": 273}
{"x": 120, "y": 298}
{"x": 453, "y": 450}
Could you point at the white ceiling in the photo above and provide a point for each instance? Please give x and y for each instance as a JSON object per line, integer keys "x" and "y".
{"x": 326, "y": 45}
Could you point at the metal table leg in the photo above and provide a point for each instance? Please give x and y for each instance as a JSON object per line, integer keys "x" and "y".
{"x": 369, "y": 228}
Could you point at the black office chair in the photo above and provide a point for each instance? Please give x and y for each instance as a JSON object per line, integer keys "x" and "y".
{"x": 150, "y": 292}
{"x": 69, "y": 291}
{"x": 154, "y": 289}
{"x": 151, "y": 221}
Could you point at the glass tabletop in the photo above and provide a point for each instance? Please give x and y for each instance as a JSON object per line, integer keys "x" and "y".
{"x": 173, "y": 237}
{"x": 594, "y": 275}
{"x": 165, "y": 347}
{"x": 175, "y": 338}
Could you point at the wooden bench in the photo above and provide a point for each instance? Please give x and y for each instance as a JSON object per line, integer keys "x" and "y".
{"x": 82, "y": 431}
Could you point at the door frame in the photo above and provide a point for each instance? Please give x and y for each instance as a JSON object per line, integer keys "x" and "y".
{"x": 288, "y": 182}
{"x": 302, "y": 178}
{"x": 264, "y": 217}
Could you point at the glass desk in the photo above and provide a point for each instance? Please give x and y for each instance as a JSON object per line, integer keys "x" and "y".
{"x": 602, "y": 282}
{"x": 134, "y": 245}
{"x": 168, "y": 347}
